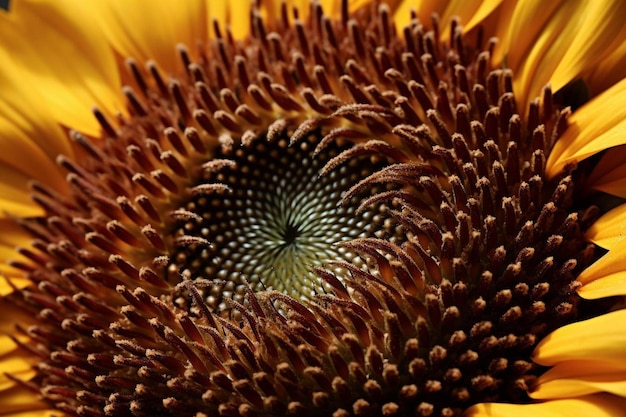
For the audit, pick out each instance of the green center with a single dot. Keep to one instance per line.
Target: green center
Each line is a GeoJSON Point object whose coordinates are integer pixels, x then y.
{"type": "Point", "coordinates": [279, 219]}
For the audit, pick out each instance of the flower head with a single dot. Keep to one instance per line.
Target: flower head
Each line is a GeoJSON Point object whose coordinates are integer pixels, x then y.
{"type": "Point", "coordinates": [321, 208]}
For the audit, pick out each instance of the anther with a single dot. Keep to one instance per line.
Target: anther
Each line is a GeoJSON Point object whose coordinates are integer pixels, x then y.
{"type": "Point", "coordinates": [101, 242]}
{"type": "Point", "coordinates": [172, 136]}
{"type": "Point", "coordinates": [208, 98]}
{"type": "Point", "coordinates": [193, 137]}
{"type": "Point", "coordinates": [546, 103]}
{"type": "Point", "coordinates": [144, 202]}
{"type": "Point", "coordinates": [116, 228]}
{"type": "Point", "coordinates": [165, 181]}
{"type": "Point", "coordinates": [131, 64]}
{"type": "Point", "coordinates": [248, 114]}
{"type": "Point", "coordinates": [136, 105]}
{"type": "Point", "coordinates": [147, 185]}
{"type": "Point", "coordinates": [183, 54]}
{"type": "Point", "coordinates": [181, 101]}
{"type": "Point", "coordinates": [106, 126]}
{"type": "Point", "coordinates": [204, 120]}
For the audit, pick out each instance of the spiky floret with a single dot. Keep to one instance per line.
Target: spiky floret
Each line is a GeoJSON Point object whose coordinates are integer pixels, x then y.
{"type": "Point", "coordinates": [474, 262]}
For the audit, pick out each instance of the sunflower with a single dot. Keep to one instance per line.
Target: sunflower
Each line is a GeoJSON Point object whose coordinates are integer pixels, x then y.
{"type": "Point", "coordinates": [312, 208]}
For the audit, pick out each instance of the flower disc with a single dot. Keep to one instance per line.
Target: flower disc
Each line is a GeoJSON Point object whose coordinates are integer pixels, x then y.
{"type": "Point", "coordinates": [328, 218]}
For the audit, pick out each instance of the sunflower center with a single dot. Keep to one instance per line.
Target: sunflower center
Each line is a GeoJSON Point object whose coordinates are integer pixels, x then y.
{"type": "Point", "coordinates": [276, 220]}
{"type": "Point", "coordinates": [372, 204]}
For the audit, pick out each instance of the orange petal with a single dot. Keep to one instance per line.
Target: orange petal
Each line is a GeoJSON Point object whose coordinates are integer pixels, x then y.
{"type": "Point", "coordinates": [56, 55]}
{"type": "Point", "coordinates": [598, 125]}
{"type": "Point", "coordinates": [598, 405]}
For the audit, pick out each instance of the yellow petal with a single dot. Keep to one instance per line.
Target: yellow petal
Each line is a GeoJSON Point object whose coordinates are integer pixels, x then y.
{"type": "Point", "coordinates": [238, 21]}
{"type": "Point", "coordinates": [18, 167]}
{"type": "Point", "coordinates": [231, 13]}
{"type": "Point", "coordinates": [609, 174]}
{"type": "Point", "coordinates": [607, 276]}
{"type": "Point", "coordinates": [271, 11]}
{"type": "Point", "coordinates": [606, 286]}
{"type": "Point", "coordinates": [609, 229]}
{"type": "Point", "coordinates": [54, 53]}
{"type": "Point", "coordinates": [601, 30]}
{"type": "Point", "coordinates": [12, 236]}
{"type": "Point", "coordinates": [597, 126]}
{"type": "Point", "coordinates": [16, 315]}
{"type": "Point", "coordinates": [402, 14]}
{"type": "Point", "coordinates": [533, 28]}
{"type": "Point", "coordinates": [19, 401]}
{"type": "Point", "coordinates": [13, 358]}
{"type": "Point", "coordinates": [9, 339]}
{"type": "Point", "coordinates": [608, 71]}
{"type": "Point", "coordinates": [576, 378]}
{"type": "Point", "coordinates": [10, 278]}
{"type": "Point", "coordinates": [30, 138]}
{"type": "Point", "coordinates": [14, 194]}
{"type": "Point", "coordinates": [598, 405]}
{"type": "Point", "coordinates": [7, 345]}
{"type": "Point", "coordinates": [17, 203]}
{"type": "Point", "coordinates": [470, 12]}
{"type": "Point", "coordinates": [35, 413]}
{"type": "Point", "coordinates": [601, 338]}
{"type": "Point", "coordinates": [6, 288]}
{"type": "Point", "coordinates": [16, 365]}
{"type": "Point", "coordinates": [558, 42]}
{"type": "Point", "coordinates": [523, 29]}
{"type": "Point", "coordinates": [145, 29]}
